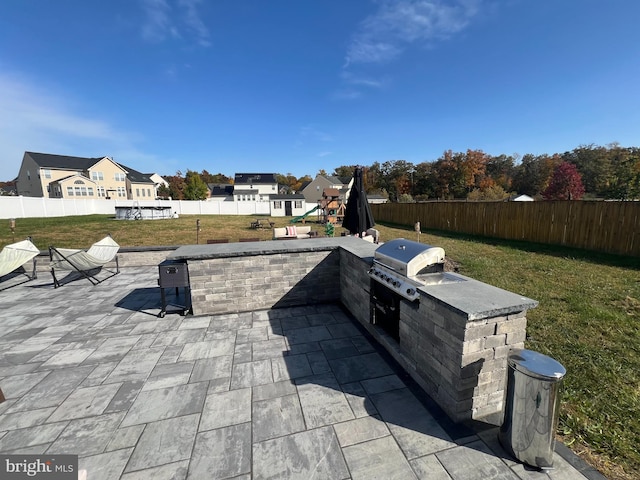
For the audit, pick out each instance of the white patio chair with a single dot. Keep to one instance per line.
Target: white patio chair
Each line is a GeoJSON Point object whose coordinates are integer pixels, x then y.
{"type": "Point", "coordinates": [88, 262]}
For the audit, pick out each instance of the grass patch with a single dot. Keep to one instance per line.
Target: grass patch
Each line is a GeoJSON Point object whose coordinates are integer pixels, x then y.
{"type": "Point", "coordinates": [82, 231]}
{"type": "Point", "coordinates": [588, 318]}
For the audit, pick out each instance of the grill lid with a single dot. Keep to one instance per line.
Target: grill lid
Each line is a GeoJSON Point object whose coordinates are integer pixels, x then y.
{"type": "Point", "coordinates": [409, 258]}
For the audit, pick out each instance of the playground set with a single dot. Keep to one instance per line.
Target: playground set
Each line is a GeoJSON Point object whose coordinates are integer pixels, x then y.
{"type": "Point", "coordinates": [330, 209]}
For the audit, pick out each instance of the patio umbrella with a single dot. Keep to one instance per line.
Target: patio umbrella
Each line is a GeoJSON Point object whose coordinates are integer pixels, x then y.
{"type": "Point", "coordinates": [357, 216]}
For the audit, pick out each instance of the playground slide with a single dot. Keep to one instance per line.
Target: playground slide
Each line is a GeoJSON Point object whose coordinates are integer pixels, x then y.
{"type": "Point", "coordinates": [297, 219]}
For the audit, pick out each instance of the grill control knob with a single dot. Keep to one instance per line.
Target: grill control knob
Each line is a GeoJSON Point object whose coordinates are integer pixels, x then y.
{"type": "Point", "coordinates": [411, 291]}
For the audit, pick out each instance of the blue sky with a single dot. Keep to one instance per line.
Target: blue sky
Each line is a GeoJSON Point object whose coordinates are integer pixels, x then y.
{"type": "Point", "coordinates": [296, 86]}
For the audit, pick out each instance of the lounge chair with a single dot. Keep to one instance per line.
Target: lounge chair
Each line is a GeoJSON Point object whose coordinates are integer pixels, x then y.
{"type": "Point", "coordinates": [15, 255]}
{"type": "Point", "coordinates": [86, 263]}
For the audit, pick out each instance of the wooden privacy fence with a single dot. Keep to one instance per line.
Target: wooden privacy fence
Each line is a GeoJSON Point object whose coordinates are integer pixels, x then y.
{"type": "Point", "coordinates": [612, 227]}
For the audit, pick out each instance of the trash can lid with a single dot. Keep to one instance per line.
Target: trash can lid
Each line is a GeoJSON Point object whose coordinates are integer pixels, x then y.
{"type": "Point", "coordinates": [536, 364]}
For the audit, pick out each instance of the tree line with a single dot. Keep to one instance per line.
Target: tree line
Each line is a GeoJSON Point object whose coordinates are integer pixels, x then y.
{"type": "Point", "coordinates": [588, 171]}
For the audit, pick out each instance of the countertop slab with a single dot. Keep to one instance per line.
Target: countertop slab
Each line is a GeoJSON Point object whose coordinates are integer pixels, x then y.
{"type": "Point", "coordinates": [476, 300]}
{"type": "Point", "coordinates": [246, 249]}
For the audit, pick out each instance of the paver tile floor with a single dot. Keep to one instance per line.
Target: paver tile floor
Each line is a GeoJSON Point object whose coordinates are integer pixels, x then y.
{"type": "Point", "coordinates": [278, 394]}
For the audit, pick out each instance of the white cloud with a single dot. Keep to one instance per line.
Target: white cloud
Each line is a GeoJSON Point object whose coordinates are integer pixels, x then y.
{"type": "Point", "coordinates": [194, 23]}
{"type": "Point", "coordinates": [178, 20]}
{"type": "Point", "coordinates": [359, 80]}
{"type": "Point", "coordinates": [33, 118]}
{"type": "Point", "coordinates": [398, 23]}
{"type": "Point", "coordinates": [324, 154]}
{"type": "Point", "coordinates": [158, 24]}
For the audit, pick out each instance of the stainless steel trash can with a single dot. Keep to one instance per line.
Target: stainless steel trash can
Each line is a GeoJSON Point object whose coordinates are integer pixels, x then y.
{"type": "Point", "coordinates": [531, 409]}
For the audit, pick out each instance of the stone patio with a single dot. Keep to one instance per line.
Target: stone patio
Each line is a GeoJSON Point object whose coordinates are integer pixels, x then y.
{"type": "Point", "coordinates": [299, 392]}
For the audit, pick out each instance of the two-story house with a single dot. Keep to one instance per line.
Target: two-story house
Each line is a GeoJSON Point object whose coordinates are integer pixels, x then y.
{"type": "Point", "coordinates": [255, 187]}
{"type": "Point", "coordinates": [61, 176]}
{"type": "Point", "coordinates": [312, 191]}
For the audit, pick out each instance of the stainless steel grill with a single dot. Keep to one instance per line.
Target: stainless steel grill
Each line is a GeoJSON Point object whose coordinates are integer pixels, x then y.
{"type": "Point", "coordinates": [402, 266]}
{"type": "Point", "coordinates": [399, 268]}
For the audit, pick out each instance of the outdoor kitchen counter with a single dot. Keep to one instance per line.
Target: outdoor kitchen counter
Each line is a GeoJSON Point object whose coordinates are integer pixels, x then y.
{"type": "Point", "coordinates": [453, 341]}
{"type": "Point", "coordinates": [470, 298]}
{"type": "Point", "coordinates": [247, 249]}
{"type": "Point", "coordinates": [244, 276]}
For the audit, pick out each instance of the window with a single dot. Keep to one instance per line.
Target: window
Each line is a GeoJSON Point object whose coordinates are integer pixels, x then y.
{"type": "Point", "coordinates": [273, 187]}
{"type": "Point", "coordinates": [298, 204]}
{"type": "Point", "coordinates": [137, 192]}
{"type": "Point", "coordinates": [101, 192]}
{"type": "Point", "coordinates": [78, 191]}
{"type": "Point", "coordinates": [148, 192]}
{"type": "Point", "coordinates": [122, 192]}
{"type": "Point", "coordinates": [46, 173]}
{"type": "Point", "coordinates": [277, 204]}
{"type": "Point", "coordinates": [119, 177]}
{"type": "Point", "coordinates": [70, 191]}
{"type": "Point", "coordinates": [28, 175]}
{"type": "Point", "coordinates": [83, 191]}
{"type": "Point", "coordinates": [97, 176]}
{"type": "Point", "coordinates": [90, 190]}
{"type": "Point", "coordinates": [144, 193]}
{"type": "Point", "coordinates": [78, 182]}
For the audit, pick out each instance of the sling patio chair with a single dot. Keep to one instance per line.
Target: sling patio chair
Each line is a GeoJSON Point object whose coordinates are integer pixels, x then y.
{"type": "Point", "coordinates": [87, 263]}
{"type": "Point", "coordinates": [15, 255]}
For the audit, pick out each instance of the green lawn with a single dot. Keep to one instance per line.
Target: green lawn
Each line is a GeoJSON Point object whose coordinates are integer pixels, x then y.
{"type": "Point", "coordinates": [588, 316]}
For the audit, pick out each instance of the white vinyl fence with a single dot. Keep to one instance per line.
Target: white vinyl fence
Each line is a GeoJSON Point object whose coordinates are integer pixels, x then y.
{"type": "Point", "coordinates": [25, 207]}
